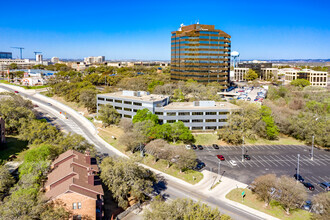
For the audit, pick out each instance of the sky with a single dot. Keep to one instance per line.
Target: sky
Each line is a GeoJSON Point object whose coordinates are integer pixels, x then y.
{"type": "Point", "coordinates": [141, 30]}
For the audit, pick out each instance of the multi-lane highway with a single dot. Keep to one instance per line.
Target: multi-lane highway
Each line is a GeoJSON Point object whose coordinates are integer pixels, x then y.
{"type": "Point", "coordinates": [172, 189]}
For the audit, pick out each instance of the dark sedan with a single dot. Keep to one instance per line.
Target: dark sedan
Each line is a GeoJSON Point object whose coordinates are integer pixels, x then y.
{"type": "Point", "coordinates": [309, 186]}
{"type": "Point", "coordinates": [215, 146]}
{"type": "Point", "coordinates": [246, 157]}
{"type": "Point", "coordinates": [200, 147]}
{"type": "Point", "coordinates": [299, 178]}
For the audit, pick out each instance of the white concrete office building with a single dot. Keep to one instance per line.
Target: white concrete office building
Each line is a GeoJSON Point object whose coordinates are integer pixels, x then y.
{"type": "Point", "coordinates": [198, 115]}
{"type": "Point", "coordinates": [316, 78]}
{"type": "Point", "coordinates": [239, 73]}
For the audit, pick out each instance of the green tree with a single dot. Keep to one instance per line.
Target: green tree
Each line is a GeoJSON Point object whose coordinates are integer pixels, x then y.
{"type": "Point", "coordinates": [178, 96]}
{"type": "Point", "coordinates": [13, 66]}
{"type": "Point", "coordinates": [251, 75]}
{"type": "Point", "coordinates": [144, 115]}
{"type": "Point", "coordinates": [271, 128]}
{"type": "Point", "coordinates": [182, 209]}
{"type": "Point", "coordinates": [125, 179]}
{"type": "Point", "coordinates": [181, 132]}
{"type": "Point", "coordinates": [300, 82]}
{"type": "Point", "coordinates": [6, 181]}
{"type": "Point", "coordinates": [184, 159]}
{"type": "Point", "coordinates": [109, 115]}
{"type": "Point", "coordinates": [321, 206]}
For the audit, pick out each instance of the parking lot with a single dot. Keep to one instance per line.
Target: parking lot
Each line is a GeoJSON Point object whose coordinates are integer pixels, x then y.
{"type": "Point", "coordinates": [265, 159]}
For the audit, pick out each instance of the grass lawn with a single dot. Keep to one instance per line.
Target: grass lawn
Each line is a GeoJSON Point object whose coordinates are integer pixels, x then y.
{"type": "Point", "coordinates": [189, 176]}
{"type": "Point", "coordinates": [207, 139]}
{"type": "Point", "coordinates": [13, 147]}
{"type": "Point", "coordinates": [273, 209]}
{"type": "Point", "coordinates": [76, 106]}
{"type": "Point", "coordinates": [283, 140]}
{"type": "Point", "coordinates": [35, 87]}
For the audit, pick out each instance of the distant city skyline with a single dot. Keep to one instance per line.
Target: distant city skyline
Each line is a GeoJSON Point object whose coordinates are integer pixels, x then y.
{"type": "Point", "coordinates": [142, 30]}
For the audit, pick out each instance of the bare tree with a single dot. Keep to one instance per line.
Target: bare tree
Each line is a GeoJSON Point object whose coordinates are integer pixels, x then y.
{"type": "Point", "coordinates": [290, 193]}
{"type": "Point", "coordinates": [126, 124]}
{"type": "Point", "coordinates": [264, 187]}
{"type": "Point", "coordinates": [321, 206]}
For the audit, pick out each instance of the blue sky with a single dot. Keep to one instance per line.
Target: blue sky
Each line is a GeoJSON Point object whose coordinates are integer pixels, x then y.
{"type": "Point", "coordinates": [142, 29]}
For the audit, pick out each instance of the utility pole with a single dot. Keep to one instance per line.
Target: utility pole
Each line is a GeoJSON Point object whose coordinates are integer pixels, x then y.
{"type": "Point", "coordinates": [312, 156]}
{"type": "Point", "coordinates": [219, 168]}
{"type": "Point", "coordinates": [243, 150]}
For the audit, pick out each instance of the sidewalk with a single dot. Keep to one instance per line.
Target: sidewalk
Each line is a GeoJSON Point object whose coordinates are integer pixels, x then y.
{"type": "Point", "coordinates": [219, 192]}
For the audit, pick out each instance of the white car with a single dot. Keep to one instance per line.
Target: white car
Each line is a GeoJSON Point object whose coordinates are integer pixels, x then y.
{"type": "Point", "coordinates": [233, 162]}
{"type": "Point", "coordinates": [188, 147]}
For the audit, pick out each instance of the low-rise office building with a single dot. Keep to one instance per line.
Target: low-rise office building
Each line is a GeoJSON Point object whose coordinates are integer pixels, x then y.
{"type": "Point", "coordinates": [316, 78]}
{"type": "Point", "coordinates": [92, 60]}
{"type": "Point", "coordinates": [239, 73]}
{"type": "Point", "coordinates": [73, 182]}
{"type": "Point", "coordinates": [21, 63]}
{"type": "Point", "coordinates": [198, 115]}
{"type": "Point", "coordinates": [2, 131]}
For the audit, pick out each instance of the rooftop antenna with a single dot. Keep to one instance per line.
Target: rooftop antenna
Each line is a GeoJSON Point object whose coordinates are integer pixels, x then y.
{"type": "Point", "coordinates": [20, 49]}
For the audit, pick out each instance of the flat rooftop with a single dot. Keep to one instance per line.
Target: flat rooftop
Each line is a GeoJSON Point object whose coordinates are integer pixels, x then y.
{"type": "Point", "coordinates": [191, 106]}
{"type": "Point", "coordinates": [143, 96]}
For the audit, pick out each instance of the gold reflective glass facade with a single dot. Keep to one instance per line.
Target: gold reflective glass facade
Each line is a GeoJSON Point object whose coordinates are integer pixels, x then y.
{"type": "Point", "coordinates": [202, 53]}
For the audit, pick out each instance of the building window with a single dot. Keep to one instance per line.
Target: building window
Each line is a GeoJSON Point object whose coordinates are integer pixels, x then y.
{"type": "Point", "coordinates": [74, 205]}
{"type": "Point", "coordinates": [210, 120]}
{"type": "Point", "coordinates": [197, 120]}
{"type": "Point", "coordinates": [127, 116]}
{"type": "Point", "coordinates": [185, 121]}
{"type": "Point", "coordinates": [127, 109]}
{"type": "Point", "coordinates": [127, 103]}
{"type": "Point", "coordinates": [197, 113]}
{"type": "Point", "coordinates": [171, 121]}
{"type": "Point", "coordinates": [118, 101]}
{"type": "Point", "coordinates": [171, 113]}
{"type": "Point", "coordinates": [101, 99]}
{"type": "Point", "coordinates": [184, 113]}
{"type": "Point", "coordinates": [211, 127]}
{"type": "Point", "coordinates": [135, 110]}
{"type": "Point", "coordinates": [79, 205]}
{"type": "Point", "coordinates": [211, 113]}
{"type": "Point", "coordinates": [196, 128]}
{"type": "Point", "coordinates": [223, 113]}
{"type": "Point", "coordinates": [137, 103]}
{"type": "Point", "coordinates": [119, 108]}
{"type": "Point", "coordinates": [158, 113]}
{"type": "Point", "coordinates": [109, 100]}
{"type": "Point", "coordinates": [222, 120]}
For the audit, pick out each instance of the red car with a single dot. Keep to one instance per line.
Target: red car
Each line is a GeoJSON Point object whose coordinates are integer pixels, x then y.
{"type": "Point", "coordinates": [220, 157]}
{"type": "Point", "coordinates": [16, 92]}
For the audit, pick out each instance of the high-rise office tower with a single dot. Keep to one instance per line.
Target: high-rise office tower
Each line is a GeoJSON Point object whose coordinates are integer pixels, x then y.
{"type": "Point", "coordinates": [200, 52]}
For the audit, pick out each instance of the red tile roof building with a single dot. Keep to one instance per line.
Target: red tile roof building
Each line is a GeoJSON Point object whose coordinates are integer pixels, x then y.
{"type": "Point", "coordinates": [73, 182]}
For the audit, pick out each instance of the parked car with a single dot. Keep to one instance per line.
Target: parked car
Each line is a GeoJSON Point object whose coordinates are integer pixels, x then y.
{"type": "Point", "coordinates": [188, 147]}
{"type": "Point", "coordinates": [200, 147]}
{"type": "Point", "coordinates": [249, 99]}
{"type": "Point", "coordinates": [246, 157]}
{"type": "Point", "coordinates": [255, 100]}
{"type": "Point", "coordinates": [233, 162]}
{"type": "Point", "coordinates": [325, 186]}
{"type": "Point", "coordinates": [50, 104]}
{"type": "Point", "coordinates": [215, 146]}
{"type": "Point", "coordinates": [299, 178]}
{"type": "Point", "coordinates": [308, 205]}
{"type": "Point", "coordinates": [16, 92]}
{"type": "Point", "coordinates": [309, 186]}
{"type": "Point", "coordinates": [200, 165]}
{"type": "Point", "coordinates": [36, 106]}
{"type": "Point", "coordinates": [193, 147]}
{"type": "Point", "coordinates": [220, 157]}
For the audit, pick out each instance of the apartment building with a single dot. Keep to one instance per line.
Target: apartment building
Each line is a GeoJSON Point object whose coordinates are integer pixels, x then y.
{"type": "Point", "coordinates": [202, 53]}
{"type": "Point", "coordinates": [54, 60]}
{"type": "Point", "coordinates": [2, 131]}
{"type": "Point", "coordinates": [316, 78]}
{"type": "Point", "coordinates": [198, 115]}
{"type": "Point", "coordinates": [73, 182]}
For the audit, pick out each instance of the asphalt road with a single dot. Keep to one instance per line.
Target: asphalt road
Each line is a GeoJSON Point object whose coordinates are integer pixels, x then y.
{"type": "Point", "coordinates": [172, 190]}
{"type": "Point", "coordinates": [277, 159]}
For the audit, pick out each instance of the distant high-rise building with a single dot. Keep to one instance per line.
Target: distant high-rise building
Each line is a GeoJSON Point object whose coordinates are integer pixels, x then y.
{"type": "Point", "coordinates": [202, 53]}
{"type": "Point", "coordinates": [6, 55]}
{"type": "Point", "coordinates": [55, 60]}
{"type": "Point", "coordinates": [39, 58]}
{"type": "Point", "coordinates": [90, 60]}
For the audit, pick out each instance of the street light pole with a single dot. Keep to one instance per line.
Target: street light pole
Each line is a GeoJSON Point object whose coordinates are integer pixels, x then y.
{"type": "Point", "coordinates": [243, 150]}
{"type": "Point", "coordinates": [312, 156]}
{"type": "Point", "coordinates": [298, 167]}
{"type": "Point", "coordinates": [219, 168]}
